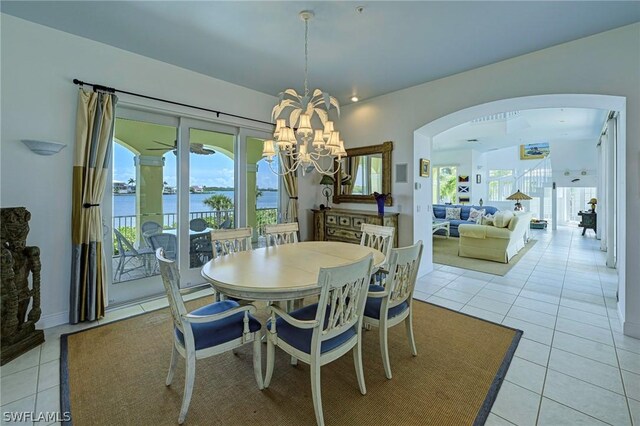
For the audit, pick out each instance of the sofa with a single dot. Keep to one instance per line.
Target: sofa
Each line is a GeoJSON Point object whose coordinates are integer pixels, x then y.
{"type": "Point", "coordinates": [439, 211]}
{"type": "Point", "coordinates": [499, 242]}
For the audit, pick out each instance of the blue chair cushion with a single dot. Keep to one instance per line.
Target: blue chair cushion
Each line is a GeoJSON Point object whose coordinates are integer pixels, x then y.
{"type": "Point", "coordinates": [214, 333]}
{"type": "Point", "coordinates": [372, 308]}
{"type": "Point", "coordinates": [301, 338]}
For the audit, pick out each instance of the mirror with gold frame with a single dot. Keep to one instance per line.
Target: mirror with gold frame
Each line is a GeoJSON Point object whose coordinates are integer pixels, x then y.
{"type": "Point", "coordinates": [362, 172]}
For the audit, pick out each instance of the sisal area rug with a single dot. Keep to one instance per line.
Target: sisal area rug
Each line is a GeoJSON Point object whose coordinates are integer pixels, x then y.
{"type": "Point", "coordinates": [445, 252]}
{"type": "Point", "coordinates": [114, 375]}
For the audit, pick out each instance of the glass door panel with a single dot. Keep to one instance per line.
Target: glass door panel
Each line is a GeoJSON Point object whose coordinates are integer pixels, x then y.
{"type": "Point", "coordinates": [142, 207]}
{"type": "Point", "coordinates": [211, 190]}
{"type": "Point", "coordinates": [263, 190]}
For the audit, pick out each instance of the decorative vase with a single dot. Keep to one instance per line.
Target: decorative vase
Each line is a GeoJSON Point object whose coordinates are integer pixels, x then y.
{"type": "Point", "coordinates": [380, 201]}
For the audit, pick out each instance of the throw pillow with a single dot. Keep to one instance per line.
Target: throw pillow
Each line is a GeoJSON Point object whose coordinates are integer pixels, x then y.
{"type": "Point", "coordinates": [473, 214]}
{"type": "Point", "coordinates": [453, 213]}
{"type": "Point", "coordinates": [487, 220]}
{"type": "Point", "coordinates": [502, 219]}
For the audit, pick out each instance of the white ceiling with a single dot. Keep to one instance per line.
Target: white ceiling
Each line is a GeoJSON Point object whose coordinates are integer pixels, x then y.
{"type": "Point", "coordinates": [390, 46]}
{"type": "Point", "coordinates": [523, 127]}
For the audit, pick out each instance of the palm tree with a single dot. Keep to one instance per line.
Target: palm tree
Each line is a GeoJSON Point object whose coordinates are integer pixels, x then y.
{"type": "Point", "coordinates": [219, 202]}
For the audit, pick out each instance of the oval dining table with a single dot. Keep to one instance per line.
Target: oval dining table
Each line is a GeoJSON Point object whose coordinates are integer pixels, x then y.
{"type": "Point", "coordinates": [284, 272]}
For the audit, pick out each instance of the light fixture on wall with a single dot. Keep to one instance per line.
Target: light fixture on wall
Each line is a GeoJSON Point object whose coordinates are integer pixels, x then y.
{"type": "Point", "coordinates": [43, 147]}
{"type": "Point", "coordinates": [517, 197]}
{"type": "Point", "coordinates": [295, 137]}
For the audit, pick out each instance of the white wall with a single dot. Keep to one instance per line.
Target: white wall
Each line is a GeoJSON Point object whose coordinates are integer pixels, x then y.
{"type": "Point", "coordinates": [575, 157]}
{"type": "Point", "coordinates": [605, 64]}
{"type": "Point", "coordinates": [39, 102]}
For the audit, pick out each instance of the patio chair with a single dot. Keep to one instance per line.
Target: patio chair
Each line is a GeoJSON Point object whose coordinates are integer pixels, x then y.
{"type": "Point", "coordinates": [150, 228]}
{"type": "Point", "coordinates": [323, 332]}
{"type": "Point", "coordinates": [168, 242]}
{"type": "Point", "coordinates": [198, 224]}
{"type": "Point", "coordinates": [128, 256]}
{"type": "Point", "coordinates": [211, 330]}
{"type": "Point", "coordinates": [392, 303]}
{"type": "Point", "coordinates": [282, 233]}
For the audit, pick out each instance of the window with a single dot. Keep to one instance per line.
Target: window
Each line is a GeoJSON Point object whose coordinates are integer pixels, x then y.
{"type": "Point", "coordinates": [500, 184]}
{"type": "Point", "coordinates": [445, 180]}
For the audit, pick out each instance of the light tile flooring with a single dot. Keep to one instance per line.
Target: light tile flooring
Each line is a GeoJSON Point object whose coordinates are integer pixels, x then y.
{"type": "Point", "coordinates": [573, 365]}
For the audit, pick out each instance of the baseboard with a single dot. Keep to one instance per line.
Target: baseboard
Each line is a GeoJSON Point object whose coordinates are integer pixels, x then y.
{"type": "Point", "coordinates": [51, 320]}
{"type": "Point", "coordinates": [631, 329]}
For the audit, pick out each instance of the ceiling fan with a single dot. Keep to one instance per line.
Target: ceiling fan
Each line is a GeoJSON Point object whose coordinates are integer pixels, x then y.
{"type": "Point", "coordinates": [196, 148]}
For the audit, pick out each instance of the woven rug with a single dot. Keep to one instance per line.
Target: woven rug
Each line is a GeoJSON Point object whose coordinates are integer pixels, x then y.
{"type": "Point", "coordinates": [445, 252]}
{"type": "Point", "coordinates": [114, 375]}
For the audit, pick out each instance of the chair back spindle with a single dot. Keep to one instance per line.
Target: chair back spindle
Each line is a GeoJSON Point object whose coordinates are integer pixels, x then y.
{"type": "Point", "coordinates": [282, 233]}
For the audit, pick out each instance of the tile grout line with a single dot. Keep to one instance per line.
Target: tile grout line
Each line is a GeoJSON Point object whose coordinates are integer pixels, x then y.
{"type": "Point", "coordinates": [553, 335]}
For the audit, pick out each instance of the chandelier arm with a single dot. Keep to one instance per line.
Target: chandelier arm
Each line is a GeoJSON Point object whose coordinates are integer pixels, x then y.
{"type": "Point", "coordinates": [329, 171]}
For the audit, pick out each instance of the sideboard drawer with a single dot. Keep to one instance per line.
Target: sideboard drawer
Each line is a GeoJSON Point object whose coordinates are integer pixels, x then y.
{"type": "Point", "coordinates": [358, 221]}
{"type": "Point", "coordinates": [344, 225]}
{"type": "Point", "coordinates": [344, 221]}
{"type": "Point", "coordinates": [344, 235]}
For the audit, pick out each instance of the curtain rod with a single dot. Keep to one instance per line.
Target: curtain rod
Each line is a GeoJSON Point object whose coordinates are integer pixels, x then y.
{"type": "Point", "coordinates": [97, 87]}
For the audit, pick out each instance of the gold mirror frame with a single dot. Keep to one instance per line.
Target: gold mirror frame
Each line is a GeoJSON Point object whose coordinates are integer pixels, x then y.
{"type": "Point", "coordinates": [385, 149]}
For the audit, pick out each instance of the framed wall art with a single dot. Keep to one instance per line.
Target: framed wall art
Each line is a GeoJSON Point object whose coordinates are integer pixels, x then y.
{"type": "Point", "coordinates": [534, 151]}
{"type": "Point", "coordinates": [463, 179]}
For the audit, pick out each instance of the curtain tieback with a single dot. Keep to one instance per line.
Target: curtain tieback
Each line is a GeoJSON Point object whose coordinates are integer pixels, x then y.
{"type": "Point", "coordinates": [88, 205]}
{"type": "Point", "coordinates": [293, 198]}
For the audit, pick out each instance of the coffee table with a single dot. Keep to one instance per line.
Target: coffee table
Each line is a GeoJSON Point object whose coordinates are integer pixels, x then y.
{"type": "Point", "coordinates": [439, 224]}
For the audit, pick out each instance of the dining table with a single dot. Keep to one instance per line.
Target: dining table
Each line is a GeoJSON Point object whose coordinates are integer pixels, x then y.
{"type": "Point", "coordinates": [281, 272]}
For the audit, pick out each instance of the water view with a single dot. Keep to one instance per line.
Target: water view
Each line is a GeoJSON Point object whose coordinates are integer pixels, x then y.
{"type": "Point", "coordinates": [125, 204]}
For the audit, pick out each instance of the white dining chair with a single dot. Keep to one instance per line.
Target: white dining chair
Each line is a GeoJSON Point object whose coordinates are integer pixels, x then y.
{"type": "Point", "coordinates": [392, 303]}
{"type": "Point", "coordinates": [226, 241]}
{"type": "Point", "coordinates": [281, 233]}
{"type": "Point", "coordinates": [323, 332]}
{"type": "Point", "coordinates": [379, 238]}
{"type": "Point", "coordinates": [211, 330]}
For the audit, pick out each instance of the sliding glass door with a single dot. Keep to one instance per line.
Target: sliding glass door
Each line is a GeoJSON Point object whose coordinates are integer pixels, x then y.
{"type": "Point", "coordinates": [175, 179]}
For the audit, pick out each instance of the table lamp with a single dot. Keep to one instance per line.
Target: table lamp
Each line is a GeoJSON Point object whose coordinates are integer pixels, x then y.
{"type": "Point", "coordinates": [327, 181]}
{"type": "Point", "coordinates": [593, 203]}
{"type": "Point", "coordinates": [518, 196]}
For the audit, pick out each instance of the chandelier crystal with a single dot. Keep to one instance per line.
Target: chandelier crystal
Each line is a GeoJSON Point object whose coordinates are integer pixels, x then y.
{"type": "Point", "coordinates": [295, 138]}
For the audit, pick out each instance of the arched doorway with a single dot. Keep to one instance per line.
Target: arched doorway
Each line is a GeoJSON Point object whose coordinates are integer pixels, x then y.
{"type": "Point", "coordinates": [423, 138]}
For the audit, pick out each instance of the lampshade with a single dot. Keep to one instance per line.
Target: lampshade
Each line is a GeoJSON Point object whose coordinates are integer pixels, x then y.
{"type": "Point", "coordinates": [304, 128]}
{"type": "Point", "coordinates": [334, 140]}
{"type": "Point", "coordinates": [318, 140]}
{"type": "Point", "coordinates": [268, 149]}
{"type": "Point", "coordinates": [280, 124]}
{"type": "Point", "coordinates": [328, 129]}
{"type": "Point", "coordinates": [593, 201]}
{"type": "Point", "coordinates": [341, 152]}
{"type": "Point", "coordinates": [518, 196]}
{"type": "Point", "coordinates": [287, 138]}
{"type": "Point", "coordinates": [326, 180]}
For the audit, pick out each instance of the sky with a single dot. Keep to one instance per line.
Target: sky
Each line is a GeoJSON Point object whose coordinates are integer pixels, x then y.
{"type": "Point", "coordinates": [206, 170]}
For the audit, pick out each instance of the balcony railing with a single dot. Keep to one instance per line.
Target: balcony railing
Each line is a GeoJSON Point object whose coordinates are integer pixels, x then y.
{"type": "Point", "coordinates": [214, 218]}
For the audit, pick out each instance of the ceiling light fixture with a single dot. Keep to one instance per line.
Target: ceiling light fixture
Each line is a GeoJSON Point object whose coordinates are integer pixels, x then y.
{"type": "Point", "coordinates": [295, 137]}
{"type": "Point", "coordinates": [354, 99]}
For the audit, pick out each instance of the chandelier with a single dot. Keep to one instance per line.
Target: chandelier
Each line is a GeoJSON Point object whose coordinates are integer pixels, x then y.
{"type": "Point", "coordinates": [295, 138]}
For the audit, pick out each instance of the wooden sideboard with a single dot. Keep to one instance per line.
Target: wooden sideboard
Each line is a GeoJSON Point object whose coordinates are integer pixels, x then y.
{"type": "Point", "coordinates": [344, 225]}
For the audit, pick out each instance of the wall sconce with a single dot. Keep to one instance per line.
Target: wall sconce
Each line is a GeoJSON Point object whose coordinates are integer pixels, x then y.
{"type": "Point", "coordinates": [43, 147]}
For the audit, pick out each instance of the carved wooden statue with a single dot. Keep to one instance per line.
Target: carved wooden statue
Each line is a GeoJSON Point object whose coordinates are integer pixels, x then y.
{"type": "Point", "coordinates": [17, 262]}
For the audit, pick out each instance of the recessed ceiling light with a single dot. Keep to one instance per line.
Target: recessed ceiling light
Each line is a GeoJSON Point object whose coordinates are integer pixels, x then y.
{"type": "Point", "coordinates": [354, 99]}
{"type": "Point", "coordinates": [472, 140]}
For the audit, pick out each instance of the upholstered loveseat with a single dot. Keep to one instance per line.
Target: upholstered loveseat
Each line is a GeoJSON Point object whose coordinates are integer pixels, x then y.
{"type": "Point", "coordinates": [439, 211]}
{"type": "Point", "coordinates": [496, 243]}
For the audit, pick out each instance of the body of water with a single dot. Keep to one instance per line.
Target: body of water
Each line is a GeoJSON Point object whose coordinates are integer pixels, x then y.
{"type": "Point", "coordinates": [125, 204]}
